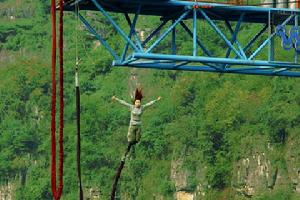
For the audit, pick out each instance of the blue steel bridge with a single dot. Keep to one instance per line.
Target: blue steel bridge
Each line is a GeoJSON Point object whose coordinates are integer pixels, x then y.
{"type": "Point", "coordinates": [278, 27]}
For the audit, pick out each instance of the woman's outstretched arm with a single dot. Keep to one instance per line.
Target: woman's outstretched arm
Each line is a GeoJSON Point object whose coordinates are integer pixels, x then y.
{"type": "Point", "coordinates": [151, 103]}
{"type": "Point", "coordinates": [121, 101]}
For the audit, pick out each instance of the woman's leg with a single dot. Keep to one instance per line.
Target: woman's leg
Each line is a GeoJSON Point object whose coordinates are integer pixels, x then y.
{"type": "Point", "coordinates": [131, 134]}
{"type": "Point", "coordinates": [138, 134]}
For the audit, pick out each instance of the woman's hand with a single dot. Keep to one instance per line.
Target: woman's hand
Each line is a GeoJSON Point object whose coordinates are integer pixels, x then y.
{"type": "Point", "coordinates": [158, 98]}
{"type": "Point", "coordinates": [113, 97]}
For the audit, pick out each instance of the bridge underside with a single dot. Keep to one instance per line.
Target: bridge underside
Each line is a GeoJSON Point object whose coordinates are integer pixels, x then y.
{"type": "Point", "coordinates": [163, 8]}
{"type": "Point", "coordinates": [237, 57]}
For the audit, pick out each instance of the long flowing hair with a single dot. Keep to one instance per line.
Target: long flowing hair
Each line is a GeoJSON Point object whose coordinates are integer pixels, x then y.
{"type": "Point", "coordinates": [138, 94]}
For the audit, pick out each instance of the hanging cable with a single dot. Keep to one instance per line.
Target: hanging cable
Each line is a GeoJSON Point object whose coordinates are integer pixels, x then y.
{"type": "Point", "coordinates": [118, 173]}
{"type": "Point", "coordinates": [77, 90]}
{"type": "Point", "coordinates": [57, 192]}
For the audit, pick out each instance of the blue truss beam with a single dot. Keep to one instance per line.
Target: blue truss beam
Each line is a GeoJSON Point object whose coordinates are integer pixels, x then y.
{"type": "Point", "coordinates": [221, 34]}
{"type": "Point", "coordinates": [115, 25]}
{"type": "Point", "coordinates": [296, 24]}
{"type": "Point", "coordinates": [250, 71]}
{"type": "Point", "coordinates": [174, 47]}
{"type": "Point", "coordinates": [94, 32]}
{"type": "Point", "coordinates": [137, 39]}
{"type": "Point", "coordinates": [154, 32]}
{"type": "Point", "coordinates": [269, 39]}
{"type": "Point", "coordinates": [195, 32]}
{"type": "Point", "coordinates": [167, 31]}
{"type": "Point", "coordinates": [234, 36]}
{"type": "Point", "coordinates": [132, 30]}
{"type": "Point", "coordinates": [254, 39]}
{"type": "Point", "coordinates": [243, 62]}
{"type": "Point", "coordinates": [202, 59]}
{"type": "Point", "coordinates": [201, 45]}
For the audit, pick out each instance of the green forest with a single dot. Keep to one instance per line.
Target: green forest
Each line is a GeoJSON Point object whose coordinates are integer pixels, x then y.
{"type": "Point", "coordinates": [213, 136]}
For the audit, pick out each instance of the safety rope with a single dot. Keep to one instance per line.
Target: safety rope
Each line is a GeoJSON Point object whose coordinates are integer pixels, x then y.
{"type": "Point", "coordinates": [78, 134]}
{"type": "Point", "coordinates": [77, 89]}
{"type": "Point", "coordinates": [118, 172]}
{"type": "Point", "coordinates": [57, 192]}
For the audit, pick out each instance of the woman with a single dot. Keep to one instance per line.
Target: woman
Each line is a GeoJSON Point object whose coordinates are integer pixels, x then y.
{"type": "Point", "coordinates": [136, 109]}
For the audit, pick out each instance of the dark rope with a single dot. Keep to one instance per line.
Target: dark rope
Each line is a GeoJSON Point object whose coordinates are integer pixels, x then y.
{"type": "Point", "coordinates": [77, 91]}
{"type": "Point", "coordinates": [78, 138]}
{"type": "Point", "coordinates": [118, 173]}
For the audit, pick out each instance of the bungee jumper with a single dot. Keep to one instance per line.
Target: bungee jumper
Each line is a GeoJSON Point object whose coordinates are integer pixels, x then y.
{"type": "Point", "coordinates": [136, 109]}
{"type": "Point", "coordinates": [134, 130]}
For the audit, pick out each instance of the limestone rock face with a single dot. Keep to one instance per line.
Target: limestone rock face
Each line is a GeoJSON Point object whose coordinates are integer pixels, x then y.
{"type": "Point", "coordinates": [178, 175]}
{"type": "Point", "coordinates": [184, 196]}
{"type": "Point", "coordinates": [93, 193]}
{"type": "Point", "coordinates": [257, 173]}
{"type": "Point", "coordinates": [254, 174]}
{"type": "Point", "coordinates": [6, 192]}
{"type": "Point", "coordinates": [292, 158]}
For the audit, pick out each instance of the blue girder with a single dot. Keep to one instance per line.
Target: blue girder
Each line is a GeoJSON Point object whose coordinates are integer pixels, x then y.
{"type": "Point", "coordinates": [140, 54]}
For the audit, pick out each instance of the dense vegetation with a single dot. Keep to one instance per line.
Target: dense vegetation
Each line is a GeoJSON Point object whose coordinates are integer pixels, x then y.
{"type": "Point", "coordinates": [210, 121]}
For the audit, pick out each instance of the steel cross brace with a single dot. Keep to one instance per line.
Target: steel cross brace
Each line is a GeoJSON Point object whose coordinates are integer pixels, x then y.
{"type": "Point", "coordinates": [132, 31]}
{"type": "Point", "coordinates": [142, 56]}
